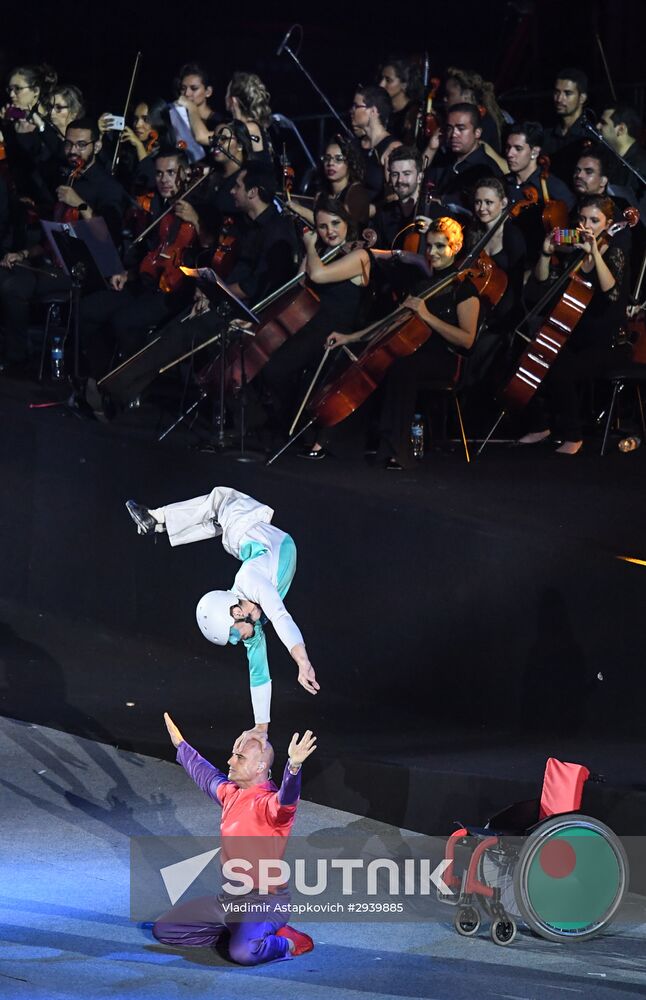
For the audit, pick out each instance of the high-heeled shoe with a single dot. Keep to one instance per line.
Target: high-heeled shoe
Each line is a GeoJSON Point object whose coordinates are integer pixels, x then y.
{"type": "Point", "coordinates": [313, 454]}
{"type": "Point", "coordinates": [534, 437]}
{"type": "Point", "coordinates": [569, 448]}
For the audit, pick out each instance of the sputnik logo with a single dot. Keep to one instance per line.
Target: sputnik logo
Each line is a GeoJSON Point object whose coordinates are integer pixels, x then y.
{"type": "Point", "coordinates": [180, 876]}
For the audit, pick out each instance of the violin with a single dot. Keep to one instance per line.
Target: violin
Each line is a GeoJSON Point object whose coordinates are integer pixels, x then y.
{"type": "Point", "coordinates": [224, 256]}
{"type": "Point", "coordinates": [151, 141]}
{"type": "Point", "coordinates": [415, 241]}
{"type": "Point", "coordinates": [544, 348]}
{"type": "Point", "coordinates": [162, 265]}
{"type": "Point", "coordinates": [65, 213]}
{"type": "Point", "coordinates": [399, 335]}
{"type": "Point", "coordinates": [555, 212]}
{"type": "Point", "coordinates": [289, 175]}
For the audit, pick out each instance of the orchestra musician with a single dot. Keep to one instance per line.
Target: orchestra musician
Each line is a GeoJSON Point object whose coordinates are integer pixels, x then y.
{"type": "Point", "coordinates": [563, 141]}
{"type": "Point", "coordinates": [267, 258]}
{"type": "Point", "coordinates": [455, 170]}
{"type": "Point", "coordinates": [506, 247]}
{"type": "Point", "coordinates": [467, 87]}
{"type": "Point", "coordinates": [340, 286]}
{"type": "Point", "coordinates": [213, 202]}
{"type": "Point", "coordinates": [593, 346]}
{"type": "Point", "coordinates": [119, 318]}
{"type": "Point", "coordinates": [247, 100]}
{"type": "Point", "coordinates": [194, 90]}
{"type": "Point", "coordinates": [370, 115]}
{"type": "Point", "coordinates": [140, 142]}
{"type": "Point", "coordinates": [452, 317]}
{"type": "Point", "coordinates": [24, 122]}
{"type": "Point", "coordinates": [341, 176]}
{"type": "Point", "coordinates": [621, 126]}
{"type": "Point", "coordinates": [523, 142]}
{"type": "Point", "coordinates": [402, 81]}
{"type": "Point", "coordinates": [90, 191]}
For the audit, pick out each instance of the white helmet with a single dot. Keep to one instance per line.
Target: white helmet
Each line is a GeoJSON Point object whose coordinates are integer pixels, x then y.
{"type": "Point", "coordinates": [213, 613]}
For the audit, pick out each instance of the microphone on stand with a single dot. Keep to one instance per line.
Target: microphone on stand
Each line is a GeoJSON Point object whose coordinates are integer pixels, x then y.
{"type": "Point", "coordinates": [279, 50]}
{"type": "Point", "coordinates": [589, 122]}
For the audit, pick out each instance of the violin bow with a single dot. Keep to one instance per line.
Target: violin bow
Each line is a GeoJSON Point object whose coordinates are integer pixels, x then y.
{"type": "Point", "coordinates": [605, 66]}
{"type": "Point", "coordinates": [115, 158]}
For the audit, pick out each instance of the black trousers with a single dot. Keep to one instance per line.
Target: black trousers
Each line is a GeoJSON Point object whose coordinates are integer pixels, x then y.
{"type": "Point", "coordinates": [120, 322]}
{"type": "Point", "coordinates": [18, 288]}
{"type": "Point", "coordinates": [173, 340]}
{"type": "Point", "coordinates": [285, 372]}
{"type": "Point", "coordinates": [433, 360]}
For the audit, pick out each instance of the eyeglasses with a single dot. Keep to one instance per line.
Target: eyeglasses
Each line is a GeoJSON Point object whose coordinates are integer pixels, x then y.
{"type": "Point", "coordinates": [78, 145]}
{"type": "Point", "coordinates": [355, 107]}
{"type": "Point", "coordinates": [59, 107]}
{"type": "Point", "coordinates": [327, 158]}
{"type": "Point", "coordinates": [13, 89]}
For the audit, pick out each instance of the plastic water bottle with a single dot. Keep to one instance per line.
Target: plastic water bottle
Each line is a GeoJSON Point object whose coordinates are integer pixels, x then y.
{"type": "Point", "coordinates": [629, 443]}
{"type": "Point", "coordinates": [58, 367]}
{"type": "Point", "coordinates": [417, 436]}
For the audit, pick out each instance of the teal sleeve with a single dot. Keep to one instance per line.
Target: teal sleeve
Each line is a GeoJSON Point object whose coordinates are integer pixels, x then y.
{"type": "Point", "coordinates": [259, 679]}
{"type": "Point", "coordinates": [256, 648]}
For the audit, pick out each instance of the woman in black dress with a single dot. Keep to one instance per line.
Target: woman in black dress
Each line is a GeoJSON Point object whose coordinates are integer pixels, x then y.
{"type": "Point", "coordinates": [592, 346]}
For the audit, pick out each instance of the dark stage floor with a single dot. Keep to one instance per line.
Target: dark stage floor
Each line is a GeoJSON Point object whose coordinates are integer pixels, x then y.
{"type": "Point", "coordinates": [466, 621]}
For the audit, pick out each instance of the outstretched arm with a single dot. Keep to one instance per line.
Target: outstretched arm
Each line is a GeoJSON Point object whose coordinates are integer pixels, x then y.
{"type": "Point", "coordinates": [207, 777]}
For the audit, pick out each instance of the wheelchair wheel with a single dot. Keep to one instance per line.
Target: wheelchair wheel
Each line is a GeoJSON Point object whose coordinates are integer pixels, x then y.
{"type": "Point", "coordinates": [467, 921]}
{"type": "Point", "coordinates": [571, 878]}
{"type": "Point", "coordinates": [503, 930]}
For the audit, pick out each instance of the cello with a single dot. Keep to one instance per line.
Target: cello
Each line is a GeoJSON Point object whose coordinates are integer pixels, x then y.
{"type": "Point", "coordinates": [400, 334]}
{"type": "Point", "coordinates": [282, 314]}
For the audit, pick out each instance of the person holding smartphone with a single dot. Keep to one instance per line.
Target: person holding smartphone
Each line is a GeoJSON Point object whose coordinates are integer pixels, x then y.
{"type": "Point", "coordinates": [592, 348]}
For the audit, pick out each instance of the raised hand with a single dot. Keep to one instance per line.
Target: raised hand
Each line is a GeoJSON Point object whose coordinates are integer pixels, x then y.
{"type": "Point", "coordinates": [300, 749]}
{"type": "Point", "coordinates": [175, 736]}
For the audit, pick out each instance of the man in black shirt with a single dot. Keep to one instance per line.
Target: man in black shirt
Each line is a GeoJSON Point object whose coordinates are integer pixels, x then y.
{"type": "Point", "coordinates": [406, 173]}
{"type": "Point", "coordinates": [267, 258]}
{"type": "Point", "coordinates": [369, 115]}
{"type": "Point", "coordinates": [522, 146]}
{"type": "Point", "coordinates": [140, 298]}
{"type": "Point", "coordinates": [269, 254]}
{"type": "Point", "coordinates": [563, 141]}
{"type": "Point", "coordinates": [620, 126]}
{"type": "Point", "coordinates": [93, 192]}
{"type": "Point", "coordinates": [456, 170]}
{"type": "Point", "coordinates": [590, 175]}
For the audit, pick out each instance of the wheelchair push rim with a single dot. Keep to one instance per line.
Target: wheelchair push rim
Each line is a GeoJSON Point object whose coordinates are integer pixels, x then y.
{"type": "Point", "coordinates": [571, 877]}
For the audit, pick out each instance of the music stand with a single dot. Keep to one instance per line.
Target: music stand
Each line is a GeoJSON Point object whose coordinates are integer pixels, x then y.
{"type": "Point", "coordinates": [84, 251]}
{"type": "Point", "coordinates": [210, 282]}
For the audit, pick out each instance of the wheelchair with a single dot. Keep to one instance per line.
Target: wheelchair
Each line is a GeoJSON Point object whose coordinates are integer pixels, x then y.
{"type": "Point", "coordinates": [564, 874]}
